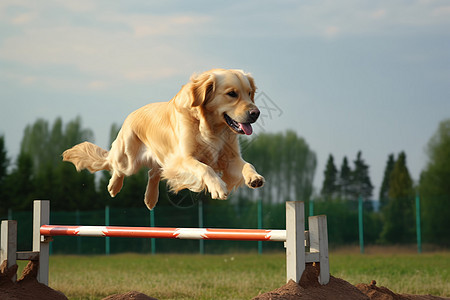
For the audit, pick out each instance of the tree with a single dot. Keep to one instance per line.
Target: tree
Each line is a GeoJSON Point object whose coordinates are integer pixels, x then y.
{"type": "Point", "coordinates": [345, 179]}
{"type": "Point", "coordinates": [330, 182]}
{"type": "Point", "coordinates": [361, 185]}
{"type": "Point", "coordinates": [384, 190]}
{"type": "Point", "coordinates": [286, 162]}
{"type": "Point", "coordinates": [399, 212]}
{"type": "Point", "coordinates": [46, 145]}
{"type": "Point", "coordinates": [4, 162]}
{"type": "Point", "coordinates": [434, 187]}
{"type": "Point", "coordinates": [40, 172]}
{"type": "Point", "coordinates": [20, 184]}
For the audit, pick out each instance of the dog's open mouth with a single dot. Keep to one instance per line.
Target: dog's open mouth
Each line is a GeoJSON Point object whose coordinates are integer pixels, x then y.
{"type": "Point", "coordinates": [241, 128]}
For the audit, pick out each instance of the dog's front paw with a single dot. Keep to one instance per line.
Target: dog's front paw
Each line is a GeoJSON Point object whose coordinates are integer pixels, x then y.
{"type": "Point", "coordinates": [218, 190]}
{"type": "Point", "coordinates": [255, 181]}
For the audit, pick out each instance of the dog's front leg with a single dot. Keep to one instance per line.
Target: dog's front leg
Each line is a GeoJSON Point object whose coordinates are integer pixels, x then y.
{"type": "Point", "coordinates": [251, 177]}
{"type": "Point", "coordinates": [216, 186]}
{"type": "Point", "coordinates": [239, 171]}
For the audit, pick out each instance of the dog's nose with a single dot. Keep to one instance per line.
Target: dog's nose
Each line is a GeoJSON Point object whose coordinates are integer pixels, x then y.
{"type": "Point", "coordinates": [254, 114]}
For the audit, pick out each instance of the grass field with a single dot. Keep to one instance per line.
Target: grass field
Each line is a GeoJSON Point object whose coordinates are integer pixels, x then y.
{"type": "Point", "coordinates": [238, 276]}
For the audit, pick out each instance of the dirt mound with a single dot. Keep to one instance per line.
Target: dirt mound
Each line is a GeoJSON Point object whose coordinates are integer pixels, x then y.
{"type": "Point", "coordinates": [382, 293]}
{"type": "Point", "coordinates": [309, 289]}
{"type": "Point", "coordinates": [129, 296]}
{"type": "Point", "coordinates": [27, 287]}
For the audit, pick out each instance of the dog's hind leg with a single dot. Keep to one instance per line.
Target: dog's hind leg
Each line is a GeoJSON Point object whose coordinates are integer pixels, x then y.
{"type": "Point", "coordinates": [123, 159]}
{"type": "Point", "coordinates": [115, 184]}
{"type": "Point", "coordinates": [152, 191]}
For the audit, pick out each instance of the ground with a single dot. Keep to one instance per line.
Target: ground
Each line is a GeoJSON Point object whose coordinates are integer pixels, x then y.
{"type": "Point", "coordinates": [27, 287]}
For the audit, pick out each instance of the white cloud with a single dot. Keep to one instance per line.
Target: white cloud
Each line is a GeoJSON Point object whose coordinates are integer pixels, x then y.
{"type": "Point", "coordinates": [98, 53]}
{"type": "Point", "coordinates": [98, 85]}
{"type": "Point", "coordinates": [442, 11]}
{"type": "Point", "coordinates": [114, 47]}
{"type": "Point", "coordinates": [23, 18]}
{"type": "Point", "coordinates": [332, 31]}
{"type": "Point", "coordinates": [79, 5]}
{"type": "Point", "coordinates": [144, 26]}
{"type": "Point", "coordinates": [378, 14]}
{"type": "Point", "coordinates": [367, 18]}
{"type": "Point", "coordinates": [107, 45]}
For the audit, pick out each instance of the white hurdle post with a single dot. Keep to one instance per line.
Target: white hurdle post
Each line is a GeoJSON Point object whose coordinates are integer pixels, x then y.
{"type": "Point", "coordinates": [295, 240]}
{"type": "Point", "coordinates": [9, 244]}
{"type": "Point", "coordinates": [318, 244]}
{"type": "Point", "coordinates": [41, 216]}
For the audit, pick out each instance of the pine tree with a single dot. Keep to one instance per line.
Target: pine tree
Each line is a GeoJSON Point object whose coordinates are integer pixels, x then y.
{"type": "Point", "coordinates": [4, 162]}
{"type": "Point", "coordinates": [401, 185]}
{"type": "Point", "coordinates": [384, 190]}
{"type": "Point", "coordinates": [330, 181]}
{"type": "Point", "coordinates": [345, 179]}
{"type": "Point", "coordinates": [399, 213]}
{"type": "Point", "coordinates": [361, 184]}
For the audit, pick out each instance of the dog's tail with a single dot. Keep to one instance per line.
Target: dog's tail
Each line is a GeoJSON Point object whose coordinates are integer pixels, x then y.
{"type": "Point", "coordinates": [87, 156]}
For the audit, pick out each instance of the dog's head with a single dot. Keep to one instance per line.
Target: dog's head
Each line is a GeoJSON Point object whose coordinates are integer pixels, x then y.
{"type": "Point", "coordinates": [226, 97]}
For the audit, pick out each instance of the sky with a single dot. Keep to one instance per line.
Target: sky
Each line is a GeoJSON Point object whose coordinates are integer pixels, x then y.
{"type": "Point", "coordinates": [347, 76]}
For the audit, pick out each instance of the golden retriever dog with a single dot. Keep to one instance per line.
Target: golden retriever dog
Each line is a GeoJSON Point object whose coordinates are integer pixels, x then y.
{"type": "Point", "coordinates": [191, 141]}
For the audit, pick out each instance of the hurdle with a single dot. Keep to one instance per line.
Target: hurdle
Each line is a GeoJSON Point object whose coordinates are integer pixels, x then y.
{"type": "Point", "coordinates": [296, 239]}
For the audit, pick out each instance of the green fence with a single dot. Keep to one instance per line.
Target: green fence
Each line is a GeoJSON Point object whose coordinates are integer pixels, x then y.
{"type": "Point", "coordinates": [349, 222]}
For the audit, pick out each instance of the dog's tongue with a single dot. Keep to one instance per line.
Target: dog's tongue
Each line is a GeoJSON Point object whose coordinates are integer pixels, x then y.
{"type": "Point", "coordinates": [246, 127]}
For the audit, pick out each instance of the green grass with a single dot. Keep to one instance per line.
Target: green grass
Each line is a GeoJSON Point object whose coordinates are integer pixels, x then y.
{"type": "Point", "coordinates": [238, 276]}
{"type": "Point", "coordinates": [167, 276]}
{"type": "Point", "coordinates": [401, 273]}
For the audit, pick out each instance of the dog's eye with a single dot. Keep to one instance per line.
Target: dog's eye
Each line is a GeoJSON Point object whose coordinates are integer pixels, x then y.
{"type": "Point", "coordinates": [232, 94]}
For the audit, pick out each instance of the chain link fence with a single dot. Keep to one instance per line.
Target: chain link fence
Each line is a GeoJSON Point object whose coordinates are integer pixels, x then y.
{"type": "Point", "coordinates": [347, 225]}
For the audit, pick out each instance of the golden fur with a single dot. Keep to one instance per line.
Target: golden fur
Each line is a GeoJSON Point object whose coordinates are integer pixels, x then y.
{"type": "Point", "coordinates": [192, 140]}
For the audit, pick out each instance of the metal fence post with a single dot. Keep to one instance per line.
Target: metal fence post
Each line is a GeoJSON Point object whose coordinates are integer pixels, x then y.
{"type": "Point", "coordinates": [311, 207]}
{"type": "Point", "coordinates": [418, 227]}
{"type": "Point", "coordinates": [200, 225]}
{"type": "Point", "coordinates": [360, 224]}
{"type": "Point", "coordinates": [152, 224]}
{"type": "Point", "coordinates": [107, 239]}
{"type": "Point", "coordinates": [78, 222]}
{"type": "Point", "coordinates": [260, 224]}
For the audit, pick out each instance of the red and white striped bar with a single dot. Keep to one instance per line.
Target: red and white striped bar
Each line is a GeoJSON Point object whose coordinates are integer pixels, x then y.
{"type": "Point", "coordinates": [162, 232]}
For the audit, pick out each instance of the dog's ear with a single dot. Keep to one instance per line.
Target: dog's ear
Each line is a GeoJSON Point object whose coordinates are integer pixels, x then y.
{"type": "Point", "coordinates": [252, 85]}
{"type": "Point", "coordinates": [202, 88]}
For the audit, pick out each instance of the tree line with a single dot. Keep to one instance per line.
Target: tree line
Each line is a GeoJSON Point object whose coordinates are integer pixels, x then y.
{"type": "Point", "coordinates": [286, 161]}
{"type": "Point", "coordinates": [395, 219]}
{"type": "Point", "coordinates": [40, 173]}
